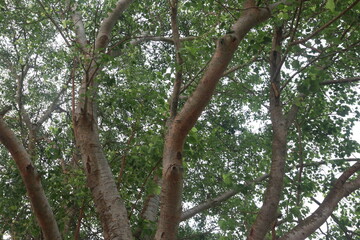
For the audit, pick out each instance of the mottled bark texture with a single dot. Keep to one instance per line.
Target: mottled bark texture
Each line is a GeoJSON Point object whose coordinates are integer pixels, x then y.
{"type": "Point", "coordinates": [32, 181]}
{"type": "Point", "coordinates": [100, 180]}
{"type": "Point", "coordinates": [180, 125]}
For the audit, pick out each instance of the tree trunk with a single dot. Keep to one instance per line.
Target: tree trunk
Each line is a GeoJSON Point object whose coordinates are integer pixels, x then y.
{"type": "Point", "coordinates": [100, 180]}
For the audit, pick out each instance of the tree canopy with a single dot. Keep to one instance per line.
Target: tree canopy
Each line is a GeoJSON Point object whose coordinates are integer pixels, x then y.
{"type": "Point", "coordinates": [179, 119]}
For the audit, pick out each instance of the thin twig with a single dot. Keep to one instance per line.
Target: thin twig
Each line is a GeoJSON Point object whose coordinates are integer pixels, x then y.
{"type": "Point", "coordinates": [253, 59]}
{"type": "Point", "coordinates": [226, 8]}
{"type": "Point", "coordinates": [325, 25]}
{"type": "Point", "coordinates": [123, 157]}
{"type": "Point", "coordinates": [343, 80]}
{"type": "Point", "coordinates": [195, 76]}
{"type": "Point", "coordinates": [316, 59]}
{"type": "Point", "coordinates": [55, 23]}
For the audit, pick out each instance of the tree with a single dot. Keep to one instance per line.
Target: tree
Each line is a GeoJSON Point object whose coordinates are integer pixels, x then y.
{"type": "Point", "coordinates": [118, 94]}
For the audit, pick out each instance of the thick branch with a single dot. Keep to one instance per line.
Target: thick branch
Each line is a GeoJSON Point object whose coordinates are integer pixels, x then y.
{"type": "Point", "coordinates": [109, 206]}
{"type": "Point", "coordinates": [108, 23]}
{"type": "Point", "coordinates": [226, 46]}
{"type": "Point", "coordinates": [80, 31]}
{"type": "Point", "coordinates": [179, 128]}
{"type": "Point", "coordinates": [31, 178]}
{"type": "Point", "coordinates": [340, 190]}
{"type": "Point", "coordinates": [151, 206]}
{"type": "Point", "coordinates": [336, 220]}
{"type": "Point", "coordinates": [267, 214]}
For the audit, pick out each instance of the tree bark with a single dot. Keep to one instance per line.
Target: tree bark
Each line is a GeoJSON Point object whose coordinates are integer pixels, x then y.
{"type": "Point", "coordinates": [341, 189]}
{"type": "Point", "coordinates": [100, 180]}
{"type": "Point", "coordinates": [32, 181]}
{"type": "Point", "coordinates": [180, 125]}
{"type": "Point", "coordinates": [280, 124]}
{"type": "Point", "coordinates": [149, 216]}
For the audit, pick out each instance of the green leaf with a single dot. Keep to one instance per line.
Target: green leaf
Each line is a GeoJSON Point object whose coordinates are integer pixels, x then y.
{"type": "Point", "coordinates": [223, 224]}
{"type": "Point", "coordinates": [227, 178]}
{"type": "Point", "coordinates": [330, 4]}
{"type": "Point", "coordinates": [296, 64]}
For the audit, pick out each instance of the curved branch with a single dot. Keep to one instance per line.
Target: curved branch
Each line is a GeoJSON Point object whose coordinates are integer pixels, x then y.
{"type": "Point", "coordinates": [108, 23]}
{"type": "Point", "coordinates": [336, 220]}
{"type": "Point", "coordinates": [226, 46]}
{"type": "Point", "coordinates": [341, 189]}
{"type": "Point", "coordinates": [179, 128]}
{"type": "Point", "coordinates": [32, 181]}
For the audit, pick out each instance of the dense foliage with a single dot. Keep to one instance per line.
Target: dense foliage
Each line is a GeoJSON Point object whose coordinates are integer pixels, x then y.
{"type": "Point", "coordinates": [230, 146]}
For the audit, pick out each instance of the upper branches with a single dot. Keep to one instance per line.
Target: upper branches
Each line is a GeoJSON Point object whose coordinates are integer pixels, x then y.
{"type": "Point", "coordinates": [108, 23]}
{"type": "Point", "coordinates": [316, 32]}
{"type": "Point", "coordinates": [80, 34]}
{"type": "Point", "coordinates": [178, 57]}
{"type": "Point", "coordinates": [226, 46]}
